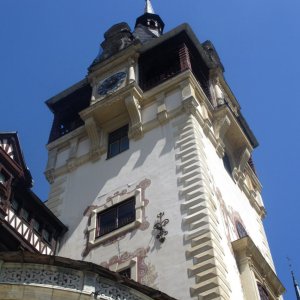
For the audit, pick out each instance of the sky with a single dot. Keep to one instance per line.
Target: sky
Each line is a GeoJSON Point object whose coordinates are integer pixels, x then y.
{"type": "Point", "coordinates": [46, 46]}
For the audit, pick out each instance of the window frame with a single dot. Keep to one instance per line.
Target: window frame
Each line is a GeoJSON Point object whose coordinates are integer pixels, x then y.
{"type": "Point", "coordinates": [117, 136]}
{"type": "Point", "coordinates": [43, 235]}
{"type": "Point", "coordinates": [129, 264]}
{"type": "Point", "coordinates": [240, 229]}
{"type": "Point", "coordinates": [115, 208]}
{"type": "Point", "coordinates": [262, 291]}
{"type": "Point", "coordinates": [94, 239]}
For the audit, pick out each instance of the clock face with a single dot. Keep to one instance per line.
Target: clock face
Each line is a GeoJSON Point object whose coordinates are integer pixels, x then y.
{"type": "Point", "coordinates": [111, 84]}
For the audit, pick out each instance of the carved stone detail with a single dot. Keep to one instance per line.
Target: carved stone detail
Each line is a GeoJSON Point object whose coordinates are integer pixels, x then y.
{"type": "Point", "coordinates": [134, 110]}
{"type": "Point", "coordinates": [199, 207]}
{"type": "Point", "coordinates": [109, 291]}
{"type": "Point", "coordinates": [238, 172]}
{"type": "Point", "coordinates": [131, 70]}
{"type": "Point", "coordinates": [64, 278]}
{"type": "Point", "coordinates": [50, 175]}
{"type": "Point", "coordinates": [92, 131]}
{"type": "Point", "coordinates": [60, 278]}
{"type": "Point", "coordinates": [221, 127]}
{"type": "Point", "coordinates": [162, 114]}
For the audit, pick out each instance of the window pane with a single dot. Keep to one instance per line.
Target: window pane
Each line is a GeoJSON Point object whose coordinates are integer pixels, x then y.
{"type": "Point", "coordinates": [124, 144]}
{"type": "Point", "coordinates": [25, 215]}
{"type": "Point", "coordinates": [47, 235]}
{"type": "Point", "coordinates": [241, 230]}
{"type": "Point", "coordinates": [126, 213]}
{"type": "Point", "coordinates": [114, 149]}
{"type": "Point", "coordinates": [118, 141]}
{"type": "Point", "coordinates": [227, 165]}
{"type": "Point", "coordinates": [126, 273]}
{"type": "Point", "coordinates": [262, 292]}
{"type": "Point", "coordinates": [37, 226]}
{"type": "Point", "coordinates": [107, 221]}
{"type": "Point", "coordinates": [15, 205]}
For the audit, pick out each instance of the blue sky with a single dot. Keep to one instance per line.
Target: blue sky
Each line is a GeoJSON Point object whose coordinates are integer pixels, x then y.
{"type": "Point", "coordinates": [47, 46]}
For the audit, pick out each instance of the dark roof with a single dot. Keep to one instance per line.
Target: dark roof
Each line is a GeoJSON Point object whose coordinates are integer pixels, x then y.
{"type": "Point", "coordinates": [32, 258]}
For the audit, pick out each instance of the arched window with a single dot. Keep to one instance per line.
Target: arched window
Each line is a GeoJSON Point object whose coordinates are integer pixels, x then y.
{"type": "Point", "coordinates": [240, 229]}
{"type": "Point", "coordinates": [264, 295]}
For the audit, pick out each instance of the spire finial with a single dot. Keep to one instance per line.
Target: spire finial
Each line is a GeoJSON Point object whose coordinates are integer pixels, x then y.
{"type": "Point", "coordinates": [296, 286]}
{"type": "Point", "coordinates": [149, 8]}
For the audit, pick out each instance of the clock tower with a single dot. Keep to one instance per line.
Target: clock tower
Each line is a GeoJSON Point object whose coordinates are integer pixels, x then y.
{"type": "Point", "coordinates": [150, 167]}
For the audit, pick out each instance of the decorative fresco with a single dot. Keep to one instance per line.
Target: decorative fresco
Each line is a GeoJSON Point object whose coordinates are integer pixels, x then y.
{"type": "Point", "coordinates": [146, 272]}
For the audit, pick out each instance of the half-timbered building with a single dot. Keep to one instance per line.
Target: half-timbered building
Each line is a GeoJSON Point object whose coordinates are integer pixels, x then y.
{"type": "Point", "coordinates": [25, 221]}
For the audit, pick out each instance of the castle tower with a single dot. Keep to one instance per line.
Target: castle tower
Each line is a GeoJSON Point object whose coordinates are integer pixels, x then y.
{"type": "Point", "coordinates": [150, 168]}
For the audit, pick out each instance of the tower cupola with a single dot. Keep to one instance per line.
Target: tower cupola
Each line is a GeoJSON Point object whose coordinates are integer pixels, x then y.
{"type": "Point", "coordinates": [149, 25]}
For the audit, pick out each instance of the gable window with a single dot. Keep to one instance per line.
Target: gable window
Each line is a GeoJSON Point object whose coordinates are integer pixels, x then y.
{"type": "Point", "coordinates": [118, 141]}
{"type": "Point", "coordinates": [116, 217]}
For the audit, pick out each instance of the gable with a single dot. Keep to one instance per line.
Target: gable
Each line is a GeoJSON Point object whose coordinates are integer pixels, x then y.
{"type": "Point", "coordinates": [9, 142]}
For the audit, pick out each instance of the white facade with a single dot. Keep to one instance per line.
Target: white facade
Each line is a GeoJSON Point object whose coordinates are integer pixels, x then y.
{"type": "Point", "coordinates": [174, 165]}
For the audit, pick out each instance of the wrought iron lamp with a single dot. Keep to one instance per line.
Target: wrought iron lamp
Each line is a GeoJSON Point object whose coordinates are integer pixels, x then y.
{"type": "Point", "coordinates": [159, 226]}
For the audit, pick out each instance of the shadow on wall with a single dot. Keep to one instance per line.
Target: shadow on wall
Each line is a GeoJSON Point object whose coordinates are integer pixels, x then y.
{"type": "Point", "coordinates": [106, 175]}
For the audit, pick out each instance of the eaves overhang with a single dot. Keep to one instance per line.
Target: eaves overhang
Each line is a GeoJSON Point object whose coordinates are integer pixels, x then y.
{"type": "Point", "coordinates": [66, 93]}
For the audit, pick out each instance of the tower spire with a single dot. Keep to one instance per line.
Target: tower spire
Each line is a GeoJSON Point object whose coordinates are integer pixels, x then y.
{"type": "Point", "coordinates": [149, 8]}
{"type": "Point", "coordinates": [296, 286]}
{"type": "Point", "coordinates": [149, 25]}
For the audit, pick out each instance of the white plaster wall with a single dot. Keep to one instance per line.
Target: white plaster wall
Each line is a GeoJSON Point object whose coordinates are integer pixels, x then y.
{"type": "Point", "coordinates": [236, 203]}
{"type": "Point", "coordinates": [62, 156]}
{"type": "Point", "coordinates": [149, 112]}
{"type": "Point", "coordinates": [153, 158]}
{"type": "Point", "coordinates": [83, 147]}
{"type": "Point", "coordinates": [173, 99]}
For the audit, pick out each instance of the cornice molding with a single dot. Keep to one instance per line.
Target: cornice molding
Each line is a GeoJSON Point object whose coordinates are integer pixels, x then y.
{"type": "Point", "coordinates": [246, 249]}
